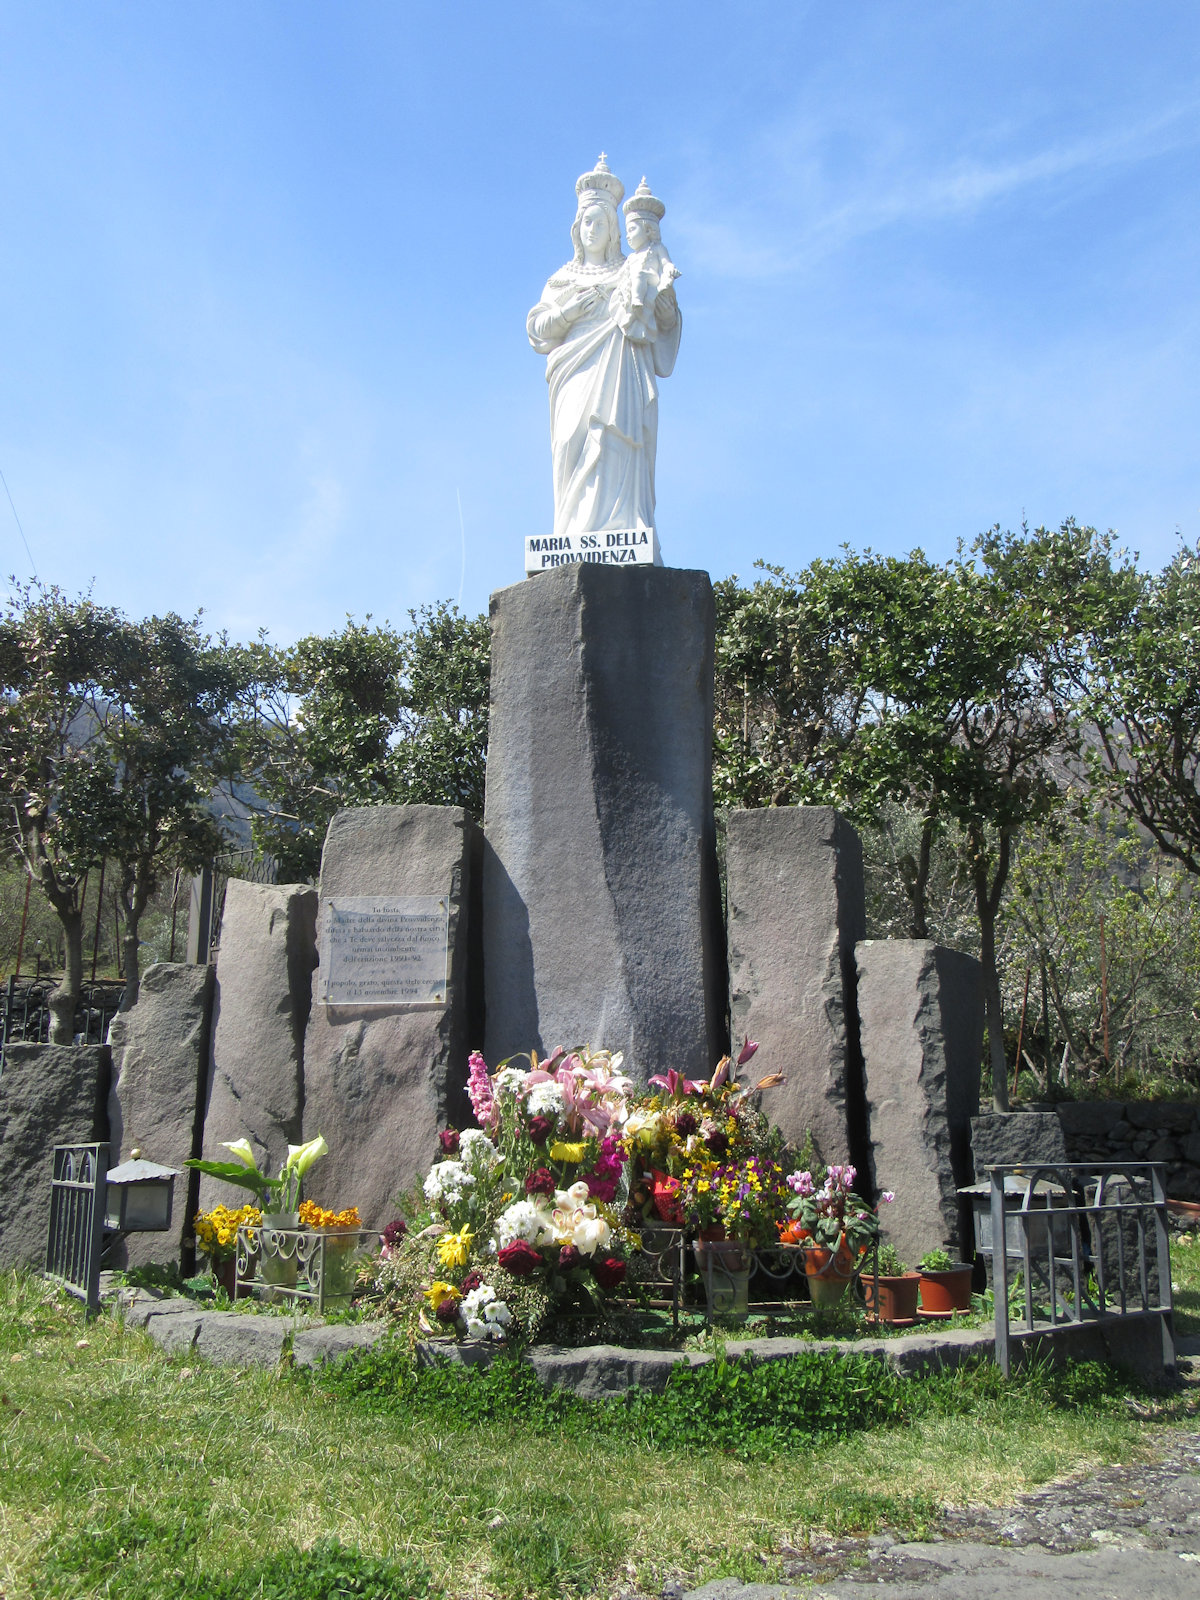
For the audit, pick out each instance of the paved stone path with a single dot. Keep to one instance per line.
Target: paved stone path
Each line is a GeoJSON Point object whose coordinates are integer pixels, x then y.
{"type": "Point", "coordinates": [1124, 1532]}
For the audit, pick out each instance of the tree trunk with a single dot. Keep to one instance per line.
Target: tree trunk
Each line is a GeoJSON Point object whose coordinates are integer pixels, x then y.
{"type": "Point", "coordinates": [987, 902]}
{"type": "Point", "coordinates": [133, 896]}
{"type": "Point", "coordinates": [920, 888]}
{"type": "Point", "coordinates": [64, 999]}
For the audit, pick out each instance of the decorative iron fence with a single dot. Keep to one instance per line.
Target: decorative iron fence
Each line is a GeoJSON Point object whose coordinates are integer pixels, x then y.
{"type": "Point", "coordinates": [25, 1010]}
{"type": "Point", "coordinates": [76, 1236]}
{"type": "Point", "coordinates": [1080, 1244]}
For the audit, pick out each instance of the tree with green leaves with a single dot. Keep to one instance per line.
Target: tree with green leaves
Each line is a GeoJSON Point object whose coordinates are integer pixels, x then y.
{"type": "Point", "coordinates": [365, 716]}
{"type": "Point", "coordinates": [1144, 703]}
{"type": "Point", "coordinates": [110, 736]}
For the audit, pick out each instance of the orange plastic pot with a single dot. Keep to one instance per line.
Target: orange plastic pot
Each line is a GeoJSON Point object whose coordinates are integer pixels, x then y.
{"type": "Point", "coordinates": [943, 1292]}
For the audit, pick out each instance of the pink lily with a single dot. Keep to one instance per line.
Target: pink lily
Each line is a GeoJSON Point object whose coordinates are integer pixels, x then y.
{"type": "Point", "coordinates": [747, 1050]}
{"type": "Point", "coordinates": [676, 1085]}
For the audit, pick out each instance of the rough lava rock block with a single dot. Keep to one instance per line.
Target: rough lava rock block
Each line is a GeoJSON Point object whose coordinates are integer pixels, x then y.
{"type": "Point", "coordinates": [380, 1081]}
{"type": "Point", "coordinates": [601, 897]}
{"type": "Point", "coordinates": [921, 1010]}
{"type": "Point", "coordinates": [1021, 1138]}
{"type": "Point", "coordinates": [49, 1094]}
{"type": "Point", "coordinates": [260, 1008]}
{"type": "Point", "coordinates": [160, 1069]}
{"type": "Point", "coordinates": [796, 910]}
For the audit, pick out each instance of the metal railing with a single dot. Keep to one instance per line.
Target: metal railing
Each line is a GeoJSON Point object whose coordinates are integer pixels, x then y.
{"type": "Point", "coordinates": [25, 1010]}
{"type": "Point", "coordinates": [76, 1236]}
{"type": "Point", "coordinates": [1091, 1245]}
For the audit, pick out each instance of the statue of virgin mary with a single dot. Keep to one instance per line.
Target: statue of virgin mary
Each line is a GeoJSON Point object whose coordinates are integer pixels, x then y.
{"type": "Point", "coordinates": [603, 383]}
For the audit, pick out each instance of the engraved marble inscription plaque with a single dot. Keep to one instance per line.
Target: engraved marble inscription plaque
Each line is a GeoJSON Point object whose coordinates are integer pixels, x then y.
{"type": "Point", "coordinates": [385, 951]}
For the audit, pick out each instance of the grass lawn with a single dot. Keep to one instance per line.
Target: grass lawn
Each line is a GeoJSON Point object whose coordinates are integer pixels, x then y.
{"type": "Point", "coordinates": [124, 1471]}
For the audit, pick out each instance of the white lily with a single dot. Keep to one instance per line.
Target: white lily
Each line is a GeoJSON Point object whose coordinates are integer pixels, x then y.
{"type": "Point", "coordinates": [301, 1156]}
{"type": "Point", "coordinates": [241, 1149]}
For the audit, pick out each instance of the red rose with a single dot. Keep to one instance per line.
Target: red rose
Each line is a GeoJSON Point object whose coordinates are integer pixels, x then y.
{"type": "Point", "coordinates": [520, 1259]}
{"type": "Point", "coordinates": [540, 1182]}
{"type": "Point", "coordinates": [447, 1310]}
{"type": "Point", "coordinates": [568, 1257]}
{"type": "Point", "coordinates": [470, 1282]}
{"type": "Point", "coordinates": [609, 1272]}
{"type": "Point", "coordinates": [540, 1129]}
{"type": "Point", "coordinates": [449, 1141]}
{"type": "Point", "coordinates": [394, 1232]}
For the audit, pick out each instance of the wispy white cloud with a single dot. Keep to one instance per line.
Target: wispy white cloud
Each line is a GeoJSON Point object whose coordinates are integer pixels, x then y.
{"type": "Point", "coordinates": [799, 211]}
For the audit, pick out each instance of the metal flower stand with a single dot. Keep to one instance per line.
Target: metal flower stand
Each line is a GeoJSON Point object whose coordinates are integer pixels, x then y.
{"type": "Point", "coordinates": [313, 1264]}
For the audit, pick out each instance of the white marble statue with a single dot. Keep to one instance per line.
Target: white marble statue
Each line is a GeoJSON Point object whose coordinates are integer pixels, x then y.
{"type": "Point", "coordinates": [609, 329]}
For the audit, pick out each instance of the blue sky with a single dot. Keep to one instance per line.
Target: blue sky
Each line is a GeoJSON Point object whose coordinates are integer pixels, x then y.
{"type": "Point", "coordinates": [264, 271]}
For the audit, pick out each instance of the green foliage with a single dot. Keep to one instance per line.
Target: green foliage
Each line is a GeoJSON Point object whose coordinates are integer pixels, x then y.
{"type": "Point", "coordinates": [112, 734]}
{"type": "Point", "coordinates": [367, 716]}
{"type": "Point", "coordinates": [890, 1264]}
{"type": "Point", "coordinates": [936, 1261]}
{"type": "Point", "coordinates": [1144, 702]}
{"type": "Point", "coordinates": [148, 1559]}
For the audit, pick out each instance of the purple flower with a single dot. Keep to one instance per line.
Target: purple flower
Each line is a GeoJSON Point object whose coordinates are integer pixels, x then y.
{"type": "Point", "coordinates": [447, 1310]}
{"type": "Point", "coordinates": [448, 1139]}
{"type": "Point", "coordinates": [540, 1181]}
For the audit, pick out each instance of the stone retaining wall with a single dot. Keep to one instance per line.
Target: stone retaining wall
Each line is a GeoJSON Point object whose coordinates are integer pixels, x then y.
{"type": "Point", "coordinates": [1107, 1130]}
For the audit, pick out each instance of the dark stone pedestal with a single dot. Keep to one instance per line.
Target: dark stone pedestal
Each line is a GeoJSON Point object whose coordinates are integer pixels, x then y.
{"type": "Point", "coordinates": [601, 902]}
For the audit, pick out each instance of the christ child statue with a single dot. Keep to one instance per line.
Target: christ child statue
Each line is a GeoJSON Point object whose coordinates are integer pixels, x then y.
{"type": "Point", "coordinates": [649, 270]}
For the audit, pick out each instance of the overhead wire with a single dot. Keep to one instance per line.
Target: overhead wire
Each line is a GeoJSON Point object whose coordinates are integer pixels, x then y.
{"type": "Point", "coordinates": [17, 520]}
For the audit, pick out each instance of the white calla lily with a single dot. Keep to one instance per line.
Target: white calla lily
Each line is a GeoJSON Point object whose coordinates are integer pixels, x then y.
{"type": "Point", "coordinates": [301, 1156]}
{"type": "Point", "coordinates": [241, 1149]}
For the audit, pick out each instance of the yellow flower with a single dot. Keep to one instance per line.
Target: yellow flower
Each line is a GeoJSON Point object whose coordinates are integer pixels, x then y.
{"type": "Point", "coordinates": [453, 1248]}
{"type": "Point", "coordinates": [437, 1292]}
{"type": "Point", "coordinates": [567, 1152]}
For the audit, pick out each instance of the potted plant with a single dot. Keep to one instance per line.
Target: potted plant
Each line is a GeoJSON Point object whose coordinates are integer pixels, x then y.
{"type": "Point", "coordinates": [343, 1246]}
{"type": "Point", "coordinates": [890, 1288]}
{"type": "Point", "coordinates": [278, 1200]}
{"type": "Point", "coordinates": [839, 1226]}
{"type": "Point", "coordinates": [945, 1284]}
{"type": "Point", "coordinates": [733, 1208]}
{"type": "Point", "coordinates": [216, 1237]}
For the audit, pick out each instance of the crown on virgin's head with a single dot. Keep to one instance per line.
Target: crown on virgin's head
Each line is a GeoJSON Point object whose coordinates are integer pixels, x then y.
{"type": "Point", "coordinates": [602, 180]}
{"type": "Point", "coordinates": [642, 200]}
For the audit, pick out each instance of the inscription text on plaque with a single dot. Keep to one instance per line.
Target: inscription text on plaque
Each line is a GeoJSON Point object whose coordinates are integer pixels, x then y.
{"type": "Point", "coordinates": [384, 951]}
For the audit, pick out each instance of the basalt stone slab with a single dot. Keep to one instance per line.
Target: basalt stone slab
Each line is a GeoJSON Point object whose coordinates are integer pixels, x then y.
{"type": "Point", "coordinates": [1022, 1138]}
{"type": "Point", "coordinates": [156, 1104]}
{"type": "Point", "coordinates": [921, 1011]}
{"type": "Point", "coordinates": [313, 1346]}
{"type": "Point", "coordinates": [601, 898]}
{"type": "Point", "coordinates": [49, 1094]}
{"type": "Point", "coordinates": [796, 910]}
{"type": "Point", "coordinates": [260, 1008]}
{"type": "Point", "coordinates": [241, 1339]}
{"type": "Point", "coordinates": [381, 1080]}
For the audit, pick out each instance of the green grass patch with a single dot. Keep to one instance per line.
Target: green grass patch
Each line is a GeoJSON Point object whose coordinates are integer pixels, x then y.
{"type": "Point", "coordinates": [130, 1472]}
{"type": "Point", "coordinates": [1185, 1278]}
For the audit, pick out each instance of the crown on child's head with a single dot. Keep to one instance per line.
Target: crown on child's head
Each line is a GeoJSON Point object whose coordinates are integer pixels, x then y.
{"type": "Point", "coordinates": [600, 181]}
{"type": "Point", "coordinates": [641, 200]}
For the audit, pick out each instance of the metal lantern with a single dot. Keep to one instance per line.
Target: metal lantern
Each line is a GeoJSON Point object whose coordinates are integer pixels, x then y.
{"type": "Point", "coordinates": [139, 1196]}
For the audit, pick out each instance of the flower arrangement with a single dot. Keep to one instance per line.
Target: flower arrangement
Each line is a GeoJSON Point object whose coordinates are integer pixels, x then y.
{"type": "Point", "coordinates": [216, 1230]}
{"type": "Point", "coordinates": [543, 1204]}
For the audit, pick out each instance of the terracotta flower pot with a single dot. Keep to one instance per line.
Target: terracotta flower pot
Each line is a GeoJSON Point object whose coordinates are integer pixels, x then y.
{"type": "Point", "coordinates": [224, 1273]}
{"type": "Point", "coordinates": [897, 1296]}
{"type": "Point", "coordinates": [943, 1292]}
{"type": "Point", "coordinates": [828, 1273]}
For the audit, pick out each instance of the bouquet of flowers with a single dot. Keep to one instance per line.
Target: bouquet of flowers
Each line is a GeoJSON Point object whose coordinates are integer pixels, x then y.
{"type": "Point", "coordinates": [745, 1198]}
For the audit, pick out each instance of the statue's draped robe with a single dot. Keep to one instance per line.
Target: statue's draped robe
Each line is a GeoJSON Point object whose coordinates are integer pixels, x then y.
{"type": "Point", "coordinates": [603, 405]}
